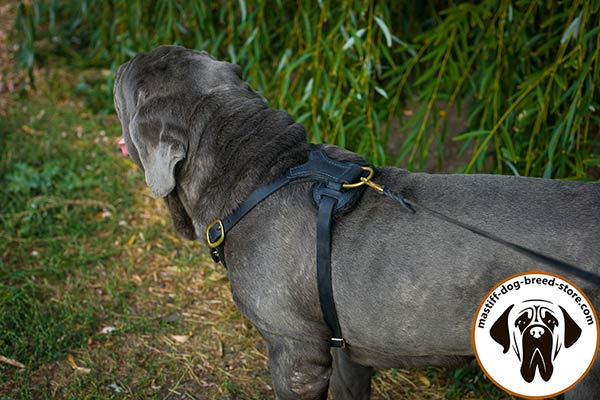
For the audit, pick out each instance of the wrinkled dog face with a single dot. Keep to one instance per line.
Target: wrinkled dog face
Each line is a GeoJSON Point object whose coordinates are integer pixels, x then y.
{"type": "Point", "coordinates": [142, 82]}
{"type": "Point", "coordinates": [154, 96]}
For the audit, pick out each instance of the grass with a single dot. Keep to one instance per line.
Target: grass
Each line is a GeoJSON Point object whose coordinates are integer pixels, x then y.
{"type": "Point", "coordinates": [83, 248]}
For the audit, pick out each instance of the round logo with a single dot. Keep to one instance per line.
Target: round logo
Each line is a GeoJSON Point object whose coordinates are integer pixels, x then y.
{"type": "Point", "coordinates": [535, 335]}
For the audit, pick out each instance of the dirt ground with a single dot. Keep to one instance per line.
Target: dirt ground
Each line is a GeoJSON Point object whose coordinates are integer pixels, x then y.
{"type": "Point", "coordinates": [11, 79]}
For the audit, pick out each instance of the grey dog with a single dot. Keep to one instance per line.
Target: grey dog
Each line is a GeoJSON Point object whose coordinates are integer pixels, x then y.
{"type": "Point", "coordinates": [406, 286]}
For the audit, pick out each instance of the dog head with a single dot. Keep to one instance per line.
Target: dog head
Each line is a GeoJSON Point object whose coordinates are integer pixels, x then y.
{"type": "Point", "coordinates": [154, 95]}
{"type": "Point", "coordinates": [203, 138]}
{"type": "Point", "coordinates": [537, 331]}
{"type": "Point", "coordinates": [154, 126]}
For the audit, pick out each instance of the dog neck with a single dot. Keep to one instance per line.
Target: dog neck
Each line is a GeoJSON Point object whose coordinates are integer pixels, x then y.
{"type": "Point", "coordinates": [239, 144]}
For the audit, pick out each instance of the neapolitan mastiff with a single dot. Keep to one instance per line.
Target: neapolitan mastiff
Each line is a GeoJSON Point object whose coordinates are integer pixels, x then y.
{"type": "Point", "coordinates": [406, 285]}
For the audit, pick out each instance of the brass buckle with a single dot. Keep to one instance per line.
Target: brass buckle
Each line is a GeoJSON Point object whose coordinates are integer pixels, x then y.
{"type": "Point", "coordinates": [365, 181]}
{"type": "Point", "coordinates": [220, 227]}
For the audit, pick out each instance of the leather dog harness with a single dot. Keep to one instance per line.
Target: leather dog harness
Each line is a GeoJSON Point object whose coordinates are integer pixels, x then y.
{"type": "Point", "coordinates": [338, 185]}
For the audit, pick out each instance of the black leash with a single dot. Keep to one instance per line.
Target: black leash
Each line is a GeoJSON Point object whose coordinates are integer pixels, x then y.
{"type": "Point", "coordinates": [536, 255]}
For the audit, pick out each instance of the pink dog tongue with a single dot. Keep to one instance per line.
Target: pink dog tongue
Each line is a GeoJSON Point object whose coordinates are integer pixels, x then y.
{"type": "Point", "coordinates": [123, 148]}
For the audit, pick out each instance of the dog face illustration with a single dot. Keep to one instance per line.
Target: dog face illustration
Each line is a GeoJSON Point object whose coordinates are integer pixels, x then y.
{"type": "Point", "coordinates": [537, 330]}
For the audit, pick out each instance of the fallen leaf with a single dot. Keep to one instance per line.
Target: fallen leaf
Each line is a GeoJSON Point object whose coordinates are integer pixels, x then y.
{"type": "Point", "coordinates": [12, 362]}
{"type": "Point", "coordinates": [424, 381]}
{"type": "Point", "coordinates": [29, 130]}
{"type": "Point", "coordinates": [180, 338]}
{"type": "Point", "coordinates": [131, 241]}
{"type": "Point", "coordinates": [116, 387]}
{"type": "Point", "coordinates": [107, 329]}
{"type": "Point", "coordinates": [71, 361]}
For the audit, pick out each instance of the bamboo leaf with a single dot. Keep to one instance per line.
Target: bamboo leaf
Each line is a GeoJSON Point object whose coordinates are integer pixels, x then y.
{"type": "Point", "coordinates": [381, 91]}
{"type": "Point", "coordinates": [243, 10]}
{"type": "Point", "coordinates": [573, 29]}
{"type": "Point", "coordinates": [471, 134]}
{"type": "Point", "coordinates": [385, 31]}
{"type": "Point", "coordinates": [350, 42]}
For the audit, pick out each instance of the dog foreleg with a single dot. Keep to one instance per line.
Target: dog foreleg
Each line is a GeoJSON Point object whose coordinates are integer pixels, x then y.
{"type": "Point", "coordinates": [349, 381]}
{"type": "Point", "coordinates": [300, 370]}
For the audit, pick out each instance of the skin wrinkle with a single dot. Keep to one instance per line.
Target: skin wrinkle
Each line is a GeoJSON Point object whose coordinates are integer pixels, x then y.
{"type": "Point", "coordinates": [406, 286]}
{"type": "Point", "coordinates": [251, 177]}
{"type": "Point", "coordinates": [231, 109]}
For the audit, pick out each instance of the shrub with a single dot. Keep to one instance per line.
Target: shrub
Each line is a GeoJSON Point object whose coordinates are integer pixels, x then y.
{"type": "Point", "coordinates": [522, 74]}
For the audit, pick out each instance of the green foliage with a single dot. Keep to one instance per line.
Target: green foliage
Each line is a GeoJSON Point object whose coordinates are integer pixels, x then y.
{"type": "Point", "coordinates": [522, 73]}
{"type": "Point", "coordinates": [35, 328]}
{"type": "Point", "coordinates": [65, 266]}
{"type": "Point", "coordinates": [50, 201]}
{"type": "Point", "coordinates": [25, 178]}
{"type": "Point", "coordinates": [465, 381]}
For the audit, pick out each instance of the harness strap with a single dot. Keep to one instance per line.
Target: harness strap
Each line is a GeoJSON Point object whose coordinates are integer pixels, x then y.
{"type": "Point", "coordinates": [215, 233]}
{"type": "Point", "coordinates": [324, 281]}
{"type": "Point", "coordinates": [335, 191]}
{"type": "Point", "coordinates": [318, 168]}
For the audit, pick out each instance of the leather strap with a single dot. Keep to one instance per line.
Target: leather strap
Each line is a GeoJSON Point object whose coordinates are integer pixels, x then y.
{"type": "Point", "coordinates": [324, 281]}
{"type": "Point", "coordinates": [318, 168]}
{"type": "Point", "coordinates": [330, 198]}
{"type": "Point", "coordinates": [217, 231]}
{"type": "Point", "coordinates": [321, 168]}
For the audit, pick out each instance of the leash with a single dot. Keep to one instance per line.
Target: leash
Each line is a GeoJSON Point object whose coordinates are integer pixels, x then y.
{"type": "Point", "coordinates": [338, 185]}
{"type": "Point", "coordinates": [536, 255]}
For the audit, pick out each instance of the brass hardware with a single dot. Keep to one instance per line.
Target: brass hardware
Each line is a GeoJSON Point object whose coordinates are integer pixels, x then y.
{"type": "Point", "coordinates": [341, 341]}
{"type": "Point", "coordinates": [218, 242]}
{"type": "Point", "coordinates": [365, 181]}
{"type": "Point", "coordinates": [377, 187]}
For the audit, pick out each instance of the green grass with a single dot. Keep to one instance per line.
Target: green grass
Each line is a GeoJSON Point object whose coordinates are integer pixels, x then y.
{"type": "Point", "coordinates": [70, 243]}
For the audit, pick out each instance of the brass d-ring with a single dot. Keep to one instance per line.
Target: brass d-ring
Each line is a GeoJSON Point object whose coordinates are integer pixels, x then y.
{"type": "Point", "coordinates": [362, 181]}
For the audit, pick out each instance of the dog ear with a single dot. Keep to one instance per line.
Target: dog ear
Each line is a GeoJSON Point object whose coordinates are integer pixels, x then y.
{"type": "Point", "coordinates": [499, 331]}
{"type": "Point", "coordinates": [160, 146]}
{"type": "Point", "coordinates": [572, 330]}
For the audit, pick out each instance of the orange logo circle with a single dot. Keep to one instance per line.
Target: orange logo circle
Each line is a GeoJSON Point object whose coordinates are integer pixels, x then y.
{"type": "Point", "coordinates": [535, 335]}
